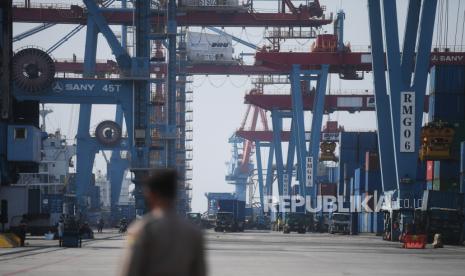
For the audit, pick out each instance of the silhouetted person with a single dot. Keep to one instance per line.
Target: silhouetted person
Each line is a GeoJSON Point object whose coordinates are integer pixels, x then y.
{"type": "Point", "coordinates": [100, 225]}
{"type": "Point", "coordinates": [161, 243]}
{"type": "Point", "coordinates": [23, 230]}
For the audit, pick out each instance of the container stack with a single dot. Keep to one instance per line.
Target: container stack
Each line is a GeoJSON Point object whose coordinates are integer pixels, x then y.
{"type": "Point", "coordinates": [446, 104]}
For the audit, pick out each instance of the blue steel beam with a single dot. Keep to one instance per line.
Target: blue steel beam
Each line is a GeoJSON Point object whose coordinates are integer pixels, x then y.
{"type": "Point", "coordinates": [277, 122]}
{"type": "Point", "coordinates": [317, 121]}
{"type": "Point", "coordinates": [391, 37]}
{"type": "Point", "coordinates": [405, 143]}
{"type": "Point", "coordinates": [241, 41]}
{"type": "Point", "coordinates": [258, 156]}
{"type": "Point", "coordinates": [462, 167]}
{"type": "Point", "coordinates": [408, 52]}
{"type": "Point", "coordinates": [298, 119]}
{"type": "Point", "coordinates": [87, 92]}
{"type": "Point", "coordinates": [290, 157]}
{"type": "Point", "coordinates": [85, 150]}
{"type": "Point", "coordinates": [171, 79]}
{"type": "Point", "coordinates": [383, 118]}
{"type": "Point", "coordinates": [117, 167]}
{"type": "Point", "coordinates": [141, 130]}
{"type": "Point", "coordinates": [406, 161]}
{"type": "Point", "coordinates": [270, 172]}
{"type": "Point", "coordinates": [423, 50]}
{"type": "Point", "coordinates": [121, 55]}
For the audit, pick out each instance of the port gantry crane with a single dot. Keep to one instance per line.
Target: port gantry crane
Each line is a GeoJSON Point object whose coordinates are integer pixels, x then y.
{"type": "Point", "coordinates": [348, 65]}
{"type": "Point", "coordinates": [241, 167]}
{"type": "Point", "coordinates": [131, 89]}
{"type": "Point", "coordinates": [398, 113]}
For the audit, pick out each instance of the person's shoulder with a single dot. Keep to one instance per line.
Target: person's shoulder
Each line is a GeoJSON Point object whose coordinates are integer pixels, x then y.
{"type": "Point", "coordinates": [189, 228]}
{"type": "Point", "coordinates": [138, 226]}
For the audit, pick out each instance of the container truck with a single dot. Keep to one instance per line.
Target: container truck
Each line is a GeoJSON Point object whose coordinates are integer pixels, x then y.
{"type": "Point", "coordinates": [230, 216]}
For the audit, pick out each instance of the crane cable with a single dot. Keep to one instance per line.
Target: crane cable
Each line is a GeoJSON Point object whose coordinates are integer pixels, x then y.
{"type": "Point", "coordinates": [446, 16]}
{"type": "Point", "coordinates": [463, 28]}
{"type": "Point", "coordinates": [201, 83]}
{"type": "Point", "coordinates": [456, 27]}
{"type": "Point", "coordinates": [438, 24]}
{"type": "Point", "coordinates": [441, 19]}
{"type": "Point", "coordinates": [215, 85]}
{"type": "Point", "coordinates": [239, 85]}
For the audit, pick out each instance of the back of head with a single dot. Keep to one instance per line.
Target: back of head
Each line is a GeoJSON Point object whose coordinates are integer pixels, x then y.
{"type": "Point", "coordinates": [163, 183]}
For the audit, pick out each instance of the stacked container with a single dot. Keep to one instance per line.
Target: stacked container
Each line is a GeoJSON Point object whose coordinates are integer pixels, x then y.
{"type": "Point", "coordinates": [447, 93]}
{"type": "Point", "coordinates": [372, 172]}
{"type": "Point", "coordinates": [445, 175]}
{"type": "Point", "coordinates": [462, 167]}
{"type": "Point", "coordinates": [429, 174]}
{"type": "Point", "coordinates": [353, 147]}
{"type": "Point", "coordinates": [327, 189]}
{"type": "Point", "coordinates": [447, 104]}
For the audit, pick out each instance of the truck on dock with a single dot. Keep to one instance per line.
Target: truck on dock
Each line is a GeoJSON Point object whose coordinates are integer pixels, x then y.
{"type": "Point", "coordinates": [441, 213]}
{"type": "Point", "coordinates": [230, 216]}
{"type": "Point", "coordinates": [340, 223]}
{"type": "Point", "coordinates": [297, 222]}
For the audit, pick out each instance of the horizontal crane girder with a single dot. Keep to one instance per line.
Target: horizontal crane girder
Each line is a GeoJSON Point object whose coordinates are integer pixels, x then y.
{"type": "Point", "coordinates": [350, 103]}
{"type": "Point", "coordinates": [76, 15]}
{"type": "Point", "coordinates": [360, 61]}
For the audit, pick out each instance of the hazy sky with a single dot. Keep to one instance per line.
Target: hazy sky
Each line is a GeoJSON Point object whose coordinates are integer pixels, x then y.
{"type": "Point", "coordinates": [219, 100]}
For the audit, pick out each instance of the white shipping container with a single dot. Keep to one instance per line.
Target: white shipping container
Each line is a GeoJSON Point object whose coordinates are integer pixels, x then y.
{"type": "Point", "coordinates": [206, 48]}
{"type": "Point", "coordinates": [349, 101]}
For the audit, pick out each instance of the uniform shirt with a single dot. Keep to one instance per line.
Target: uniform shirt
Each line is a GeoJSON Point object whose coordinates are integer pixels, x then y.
{"type": "Point", "coordinates": [163, 244]}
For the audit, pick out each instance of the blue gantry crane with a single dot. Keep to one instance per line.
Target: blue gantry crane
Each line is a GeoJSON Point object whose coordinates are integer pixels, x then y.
{"type": "Point", "coordinates": [399, 96]}
{"type": "Point", "coordinates": [238, 173]}
{"type": "Point", "coordinates": [130, 92]}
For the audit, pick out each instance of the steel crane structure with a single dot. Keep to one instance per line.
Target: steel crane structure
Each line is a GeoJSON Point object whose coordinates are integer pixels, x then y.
{"type": "Point", "coordinates": [131, 91]}
{"type": "Point", "coordinates": [156, 143]}
{"type": "Point", "coordinates": [241, 166]}
{"type": "Point", "coordinates": [399, 118]}
{"type": "Point", "coordinates": [399, 109]}
{"type": "Point", "coordinates": [149, 143]}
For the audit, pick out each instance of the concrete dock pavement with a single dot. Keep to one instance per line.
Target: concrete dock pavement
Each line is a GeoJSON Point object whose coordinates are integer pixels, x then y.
{"type": "Point", "coordinates": [34, 243]}
{"type": "Point", "coordinates": [255, 253]}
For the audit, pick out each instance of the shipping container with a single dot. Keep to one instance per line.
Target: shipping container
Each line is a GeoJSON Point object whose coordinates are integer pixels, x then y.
{"type": "Point", "coordinates": [436, 185]}
{"type": "Point", "coordinates": [209, 48]}
{"type": "Point", "coordinates": [446, 107]}
{"type": "Point", "coordinates": [371, 161]}
{"type": "Point", "coordinates": [373, 181]}
{"type": "Point", "coordinates": [359, 181]}
{"type": "Point", "coordinates": [438, 199]}
{"type": "Point", "coordinates": [429, 185]}
{"type": "Point", "coordinates": [33, 206]}
{"type": "Point", "coordinates": [459, 137]}
{"type": "Point", "coordinates": [446, 170]}
{"type": "Point", "coordinates": [378, 223]}
{"type": "Point", "coordinates": [295, 189]}
{"type": "Point", "coordinates": [237, 207]}
{"type": "Point", "coordinates": [446, 175]}
{"type": "Point", "coordinates": [353, 147]}
{"type": "Point", "coordinates": [327, 189]}
{"type": "Point", "coordinates": [462, 167]}
{"type": "Point", "coordinates": [52, 203]}
{"type": "Point", "coordinates": [429, 170]}
{"type": "Point", "coordinates": [447, 79]}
